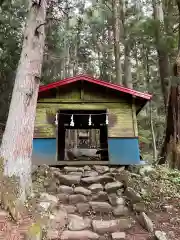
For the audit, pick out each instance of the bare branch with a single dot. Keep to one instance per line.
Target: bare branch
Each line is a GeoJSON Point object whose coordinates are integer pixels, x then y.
{"type": "Point", "coordinates": [36, 30]}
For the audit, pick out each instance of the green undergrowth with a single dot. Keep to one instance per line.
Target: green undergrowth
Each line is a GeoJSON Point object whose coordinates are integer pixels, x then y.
{"type": "Point", "coordinates": [156, 184]}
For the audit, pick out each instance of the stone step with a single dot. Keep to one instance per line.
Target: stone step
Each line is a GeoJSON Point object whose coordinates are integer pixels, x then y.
{"type": "Point", "coordinates": [79, 235]}
{"type": "Point", "coordinates": [103, 227]}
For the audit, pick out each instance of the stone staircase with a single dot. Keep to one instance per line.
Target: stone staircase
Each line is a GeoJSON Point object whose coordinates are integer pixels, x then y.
{"type": "Point", "coordinates": [91, 203]}
{"type": "Point", "coordinates": [82, 203]}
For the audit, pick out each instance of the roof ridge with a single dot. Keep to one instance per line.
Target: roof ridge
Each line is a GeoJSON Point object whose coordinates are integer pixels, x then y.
{"type": "Point", "coordinates": [93, 80]}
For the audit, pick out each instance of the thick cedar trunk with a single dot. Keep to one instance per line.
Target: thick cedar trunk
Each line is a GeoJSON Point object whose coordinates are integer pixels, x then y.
{"type": "Point", "coordinates": [171, 146]}
{"type": "Point", "coordinates": [171, 150]}
{"type": "Point", "coordinates": [16, 148]}
{"type": "Point", "coordinates": [161, 49]}
{"type": "Point", "coordinates": [117, 24]}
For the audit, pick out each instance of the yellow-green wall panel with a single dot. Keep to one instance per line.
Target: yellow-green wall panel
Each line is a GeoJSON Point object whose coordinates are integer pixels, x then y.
{"type": "Point", "coordinates": [120, 117]}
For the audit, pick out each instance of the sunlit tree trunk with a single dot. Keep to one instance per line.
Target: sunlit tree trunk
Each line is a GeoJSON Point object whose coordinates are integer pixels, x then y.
{"type": "Point", "coordinates": [161, 47]}
{"type": "Point", "coordinates": [127, 67]}
{"type": "Point", "coordinates": [117, 26]}
{"type": "Point", "coordinates": [16, 148]}
{"type": "Point", "coordinates": [110, 53]}
{"type": "Point", "coordinates": [67, 53]}
{"type": "Point", "coordinates": [149, 83]}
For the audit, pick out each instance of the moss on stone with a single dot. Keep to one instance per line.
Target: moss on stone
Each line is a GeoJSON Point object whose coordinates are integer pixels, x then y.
{"type": "Point", "coordinates": [35, 230]}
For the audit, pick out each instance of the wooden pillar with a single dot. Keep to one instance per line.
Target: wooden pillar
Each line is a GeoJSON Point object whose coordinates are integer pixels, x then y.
{"type": "Point", "coordinates": [103, 142]}
{"type": "Point", "coordinates": [61, 138]}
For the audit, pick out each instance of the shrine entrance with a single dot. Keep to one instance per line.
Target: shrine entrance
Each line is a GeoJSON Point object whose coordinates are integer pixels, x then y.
{"type": "Point", "coordinates": [82, 135]}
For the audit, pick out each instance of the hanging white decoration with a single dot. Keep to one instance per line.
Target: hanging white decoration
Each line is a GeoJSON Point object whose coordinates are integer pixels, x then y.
{"type": "Point", "coordinates": [72, 121]}
{"type": "Point", "coordinates": [56, 120]}
{"type": "Point", "coordinates": [90, 122]}
{"type": "Point", "coordinates": [107, 120]}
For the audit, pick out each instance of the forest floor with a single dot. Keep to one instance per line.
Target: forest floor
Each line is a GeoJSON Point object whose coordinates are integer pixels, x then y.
{"type": "Point", "coordinates": [157, 187]}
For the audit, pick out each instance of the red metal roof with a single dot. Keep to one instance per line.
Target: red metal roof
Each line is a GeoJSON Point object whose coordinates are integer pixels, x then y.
{"type": "Point", "coordinates": [99, 82]}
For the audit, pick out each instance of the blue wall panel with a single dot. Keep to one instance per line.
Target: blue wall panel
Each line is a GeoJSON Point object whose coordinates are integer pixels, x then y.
{"type": "Point", "coordinates": [123, 151]}
{"type": "Point", "coordinates": [44, 150]}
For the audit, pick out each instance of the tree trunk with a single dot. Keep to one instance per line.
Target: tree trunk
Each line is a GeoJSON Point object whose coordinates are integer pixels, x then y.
{"type": "Point", "coordinates": [117, 25]}
{"type": "Point", "coordinates": [153, 133]}
{"type": "Point", "coordinates": [67, 53]}
{"type": "Point", "coordinates": [149, 83]}
{"type": "Point", "coordinates": [161, 49]}
{"type": "Point", "coordinates": [110, 53]}
{"type": "Point", "coordinates": [171, 147]}
{"type": "Point", "coordinates": [178, 5]}
{"type": "Point", "coordinates": [16, 148]}
{"type": "Point", "coordinates": [76, 47]}
{"type": "Point", "coordinates": [127, 67]}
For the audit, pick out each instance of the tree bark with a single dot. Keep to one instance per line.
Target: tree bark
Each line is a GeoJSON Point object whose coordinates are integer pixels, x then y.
{"type": "Point", "coordinates": [127, 67]}
{"type": "Point", "coordinates": [76, 47]}
{"type": "Point", "coordinates": [110, 53]}
{"type": "Point", "coordinates": [67, 58]}
{"type": "Point", "coordinates": [117, 25]}
{"type": "Point", "coordinates": [149, 83]}
{"type": "Point", "coordinates": [171, 148]}
{"type": "Point", "coordinates": [178, 5]}
{"type": "Point", "coordinates": [16, 148]}
{"type": "Point", "coordinates": [161, 49]}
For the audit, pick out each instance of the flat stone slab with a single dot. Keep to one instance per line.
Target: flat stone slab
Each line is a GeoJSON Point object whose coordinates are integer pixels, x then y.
{"type": "Point", "coordinates": [83, 207]}
{"type": "Point", "coordinates": [63, 197]}
{"type": "Point", "coordinates": [96, 187]}
{"type": "Point", "coordinates": [82, 190]}
{"type": "Point", "coordinates": [101, 169]}
{"type": "Point", "coordinates": [103, 227]}
{"type": "Point", "coordinates": [79, 235]}
{"type": "Point", "coordinates": [113, 186]}
{"type": "Point", "coordinates": [100, 196]}
{"type": "Point", "coordinates": [118, 236]}
{"type": "Point", "coordinates": [101, 207]}
{"type": "Point", "coordinates": [116, 200]}
{"type": "Point", "coordinates": [139, 207]}
{"type": "Point", "coordinates": [90, 173]}
{"type": "Point", "coordinates": [120, 210]}
{"type": "Point", "coordinates": [77, 223]}
{"type": "Point", "coordinates": [132, 195]}
{"type": "Point", "coordinates": [69, 208]}
{"type": "Point", "coordinates": [77, 198]}
{"type": "Point", "coordinates": [73, 169]}
{"type": "Point", "coordinates": [65, 189]}
{"type": "Point", "coordinates": [68, 179]}
{"type": "Point", "coordinates": [75, 173]}
{"type": "Point", "coordinates": [97, 179]}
